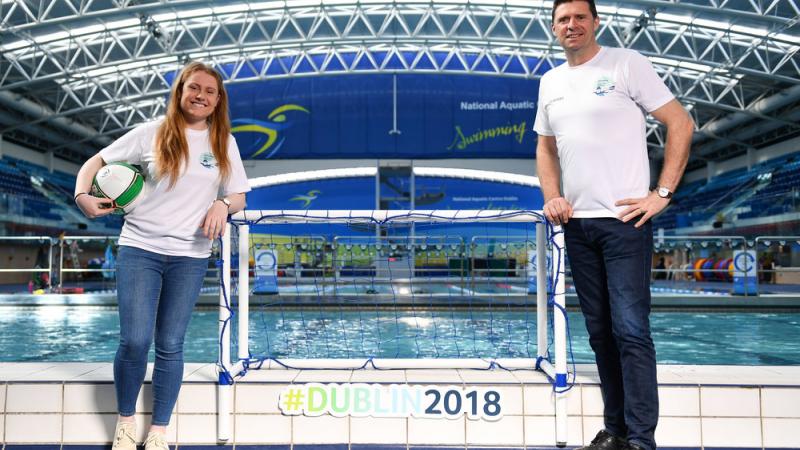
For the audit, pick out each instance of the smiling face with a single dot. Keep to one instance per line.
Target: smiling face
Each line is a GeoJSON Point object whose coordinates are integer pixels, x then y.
{"type": "Point", "coordinates": [199, 97]}
{"type": "Point", "coordinates": [574, 26]}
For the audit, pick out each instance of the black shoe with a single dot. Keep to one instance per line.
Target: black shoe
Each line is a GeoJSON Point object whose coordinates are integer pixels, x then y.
{"type": "Point", "coordinates": [606, 441]}
{"type": "Point", "coordinates": [632, 446]}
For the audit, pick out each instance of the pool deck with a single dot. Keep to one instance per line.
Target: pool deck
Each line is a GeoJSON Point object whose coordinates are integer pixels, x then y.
{"type": "Point", "coordinates": [51, 406]}
{"type": "Point", "coordinates": [659, 300]}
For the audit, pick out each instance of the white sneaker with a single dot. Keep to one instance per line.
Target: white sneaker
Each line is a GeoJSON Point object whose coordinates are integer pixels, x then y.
{"type": "Point", "coordinates": [155, 441]}
{"type": "Point", "coordinates": [124, 436]}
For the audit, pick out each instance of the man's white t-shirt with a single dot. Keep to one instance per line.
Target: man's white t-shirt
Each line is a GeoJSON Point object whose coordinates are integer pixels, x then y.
{"type": "Point", "coordinates": [595, 111]}
{"type": "Point", "coordinates": [167, 220]}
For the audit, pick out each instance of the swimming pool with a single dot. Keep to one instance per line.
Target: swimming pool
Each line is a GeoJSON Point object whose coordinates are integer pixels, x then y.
{"type": "Point", "coordinates": [88, 333]}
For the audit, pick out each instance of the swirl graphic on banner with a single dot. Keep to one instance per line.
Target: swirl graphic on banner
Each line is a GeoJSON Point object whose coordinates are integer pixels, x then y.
{"type": "Point", "coordinates": [270, 129]}
{"type": "Point", "coordinates": [306, 199]}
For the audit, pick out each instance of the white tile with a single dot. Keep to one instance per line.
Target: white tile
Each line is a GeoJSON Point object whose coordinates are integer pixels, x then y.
{"type": "Point", "coordinates": [197, 398]}
{"type": "Point", "coordinates": [731, 432]}
{"type": "Point", "coordinates": [667, 376]}
{"type": "Point", "coordinates": [790, 372]}
{"type": "Point", "coordinates": [540, 400]}
{"type": "Point", "coordinates": [103, 373]}
{"type": "Point", "coordinates": [200, 373]}
{"type": "Point", "coordinates": [541, 431]}
{"type": "Point", "coordinates": [781, 433]}
{"type": "Point", "coordinates": [510, 398]}
{"type": "Point", "coordinates": [2, 399]}
{"type": "Point", "coordinates": [22, 371]}
{"type": "Point", "coordinates": [591, 425]}
{"type": "Point", "coordinates": [506, 431]}
{"type": "Point", "coordinates": [65, 371]}
{"type": "Point", "coordinates": [678, 432]}
{"type": "Point", "coordinates": [679, 401]}
{"type": "Point", "coordinates": [495, 376]}
{"type": "Point", "coordinates": [270, 376]}
{"type": "Point", "coordinates": [33, 428]}
{"type": "Point", "coordinates": [587, 374]}
{"type": "Point", "coordinates": [41, 398]}
{"type": "Point", "coordinates": [143, 425]}
{"type": "Point", "coordinates": [378, 430]}
{"type": "Point", "coordinates": [320, 430]}
{"type": "Point", "coordinates": [89, 428]}
{"type": "Point", "coordinates": [591, 401]}
{"type": "Point", "coordinates": [196, 428]}
{"type": "Point", "coordinates": [144, 402]}
{"type": "Point", "coordinates": [729, 402]}
{"type": "Point", "coordinates": [780, 402]}
{"type": "Point", "coordinates": [433, 376]}
{"type": "Point", "coordinates": [378, 376]}
{"type": "Point", "coordinates": [733, 375]}
{"type": "Point", "coordinates": [530, 377]}
{"type": "Point", "coordinates": [89, 398]}
{"type": "Point", "coordinates": [323, 376]}
{"type": "Point", "coordinates": [257, 398]}
{"type": "Point", "coordinates": [263, 429]}
{"type": "Point", "coordinates": [436, 431]}
{"type": "Point", "coordinates": [2, 428]}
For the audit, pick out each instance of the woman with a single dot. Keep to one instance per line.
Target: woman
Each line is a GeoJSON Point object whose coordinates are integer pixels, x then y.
{"type": "Point", "coordinates": [194, 179]}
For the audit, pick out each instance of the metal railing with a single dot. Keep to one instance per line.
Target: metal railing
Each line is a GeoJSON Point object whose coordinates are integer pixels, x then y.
{"type": "Point", "coordinates": [41, 240]}
{"type": "Point", "coordinates": [777, 266]}
{"type": "Point", "coordinates": [66, 244]}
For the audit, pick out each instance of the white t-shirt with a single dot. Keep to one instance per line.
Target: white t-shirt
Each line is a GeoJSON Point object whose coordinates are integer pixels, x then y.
{"type": "Point", "coordinates": [594, 110]}
{"type": "Point", "coordinates": [167, 221]}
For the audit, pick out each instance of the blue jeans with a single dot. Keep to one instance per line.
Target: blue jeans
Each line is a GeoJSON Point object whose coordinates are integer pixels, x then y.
{"type": "Point", "coordinates": [156, 295]}
{"type": "Point", "coordinates": [610, 263]}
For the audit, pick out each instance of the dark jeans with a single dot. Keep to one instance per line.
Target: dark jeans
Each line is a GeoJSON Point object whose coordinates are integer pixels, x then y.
{"type": "Point", "coordinates": [156, 295]}
{"type": "Point", "coordinates": [610, 263]}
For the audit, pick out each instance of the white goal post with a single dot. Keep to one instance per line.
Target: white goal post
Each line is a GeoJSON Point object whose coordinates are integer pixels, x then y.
{"type": "Point", "coordinates": [546, 237]}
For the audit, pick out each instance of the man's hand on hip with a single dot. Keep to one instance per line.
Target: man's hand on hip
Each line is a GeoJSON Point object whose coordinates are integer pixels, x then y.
{"type": "Point", "coordinates": [646, 207]}
{"type": "Point", "coordinates": [558, 210]}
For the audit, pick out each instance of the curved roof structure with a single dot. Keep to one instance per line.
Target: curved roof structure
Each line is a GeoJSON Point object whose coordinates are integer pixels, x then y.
{"type": "Point", "coordinates": [74, 74]}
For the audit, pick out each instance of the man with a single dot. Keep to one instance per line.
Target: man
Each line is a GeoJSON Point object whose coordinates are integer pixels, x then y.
{"type": "Point", "coordinates": [591, 125]}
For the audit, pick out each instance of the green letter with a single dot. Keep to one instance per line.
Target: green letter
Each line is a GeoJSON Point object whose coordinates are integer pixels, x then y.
{"type": "Point", "coordinates": [315, 392]}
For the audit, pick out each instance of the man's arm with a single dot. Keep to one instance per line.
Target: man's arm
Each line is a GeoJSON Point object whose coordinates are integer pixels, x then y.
{"type": "Point", "coordinates": [556, 208]}
{"type": "Point", "coordinates": [680, 128]}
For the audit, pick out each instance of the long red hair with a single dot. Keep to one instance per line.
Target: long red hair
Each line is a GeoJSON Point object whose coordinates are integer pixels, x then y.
{"type": "Point", "coordinates": [172, 149]}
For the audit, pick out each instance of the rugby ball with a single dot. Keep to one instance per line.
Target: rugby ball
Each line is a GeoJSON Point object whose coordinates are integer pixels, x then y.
{"type": "Point", "coordinates": [120, 182]}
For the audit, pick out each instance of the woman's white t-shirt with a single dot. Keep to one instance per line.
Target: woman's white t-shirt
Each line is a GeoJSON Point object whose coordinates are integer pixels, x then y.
{"type": "Point", "coordinates": [596, 111]}
{"type": "Point", "coordinates": [168, 220]}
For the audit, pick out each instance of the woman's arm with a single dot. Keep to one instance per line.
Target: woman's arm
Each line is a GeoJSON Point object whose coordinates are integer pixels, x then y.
{"type": "Point", "coordinates": [214, 222]}
{"type": "Point", "coordinates": [91, 206]}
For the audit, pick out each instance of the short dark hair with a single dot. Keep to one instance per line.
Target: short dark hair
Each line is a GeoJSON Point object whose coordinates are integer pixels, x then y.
{"type": "Point", "coordinates": [556, 3]}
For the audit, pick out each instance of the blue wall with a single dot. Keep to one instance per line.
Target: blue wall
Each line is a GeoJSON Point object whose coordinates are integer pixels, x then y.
{"type": "Point", "coordinates": [451, 193]}
{"type": "Point", "coordinates": [432, 193]}
{"type": "Point", "coordinates": [342, 193]}
{"type": "Point", "coordinates": [351, 116]}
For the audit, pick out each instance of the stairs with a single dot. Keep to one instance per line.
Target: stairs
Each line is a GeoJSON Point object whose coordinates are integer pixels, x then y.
{"type": "Point", "coordinates": [57, 195]}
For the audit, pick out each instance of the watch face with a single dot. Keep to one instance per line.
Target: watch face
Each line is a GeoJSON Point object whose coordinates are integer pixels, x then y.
{"type": "Point", "coordinates": [664, 192]}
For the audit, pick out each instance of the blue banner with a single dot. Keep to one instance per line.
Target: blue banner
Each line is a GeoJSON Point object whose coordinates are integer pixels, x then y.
{"type": "Point", "coordinates": [355, 116]}
{"type": "Point", "coordinates": [431, 193]}
{"type": "Point", "coordinates": [340, 193]}
{"type": "Point", "coordinates": [452, 193]}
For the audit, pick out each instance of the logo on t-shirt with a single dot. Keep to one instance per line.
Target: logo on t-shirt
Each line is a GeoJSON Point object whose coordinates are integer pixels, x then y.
{"type": "Point", "coordinates": [208, 161]}
{"type": "Point", "coordinates": [603, 86]}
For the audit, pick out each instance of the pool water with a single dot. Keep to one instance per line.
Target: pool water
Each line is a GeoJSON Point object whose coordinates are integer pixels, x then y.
{"type": "Point", "coordinates": [81, 333]}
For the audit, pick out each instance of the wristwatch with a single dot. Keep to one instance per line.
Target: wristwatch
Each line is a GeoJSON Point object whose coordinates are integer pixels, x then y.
{"type": "Point", "coordinates": [225, 201]}
{"type": "Point", "coordinates": [663, 192]}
